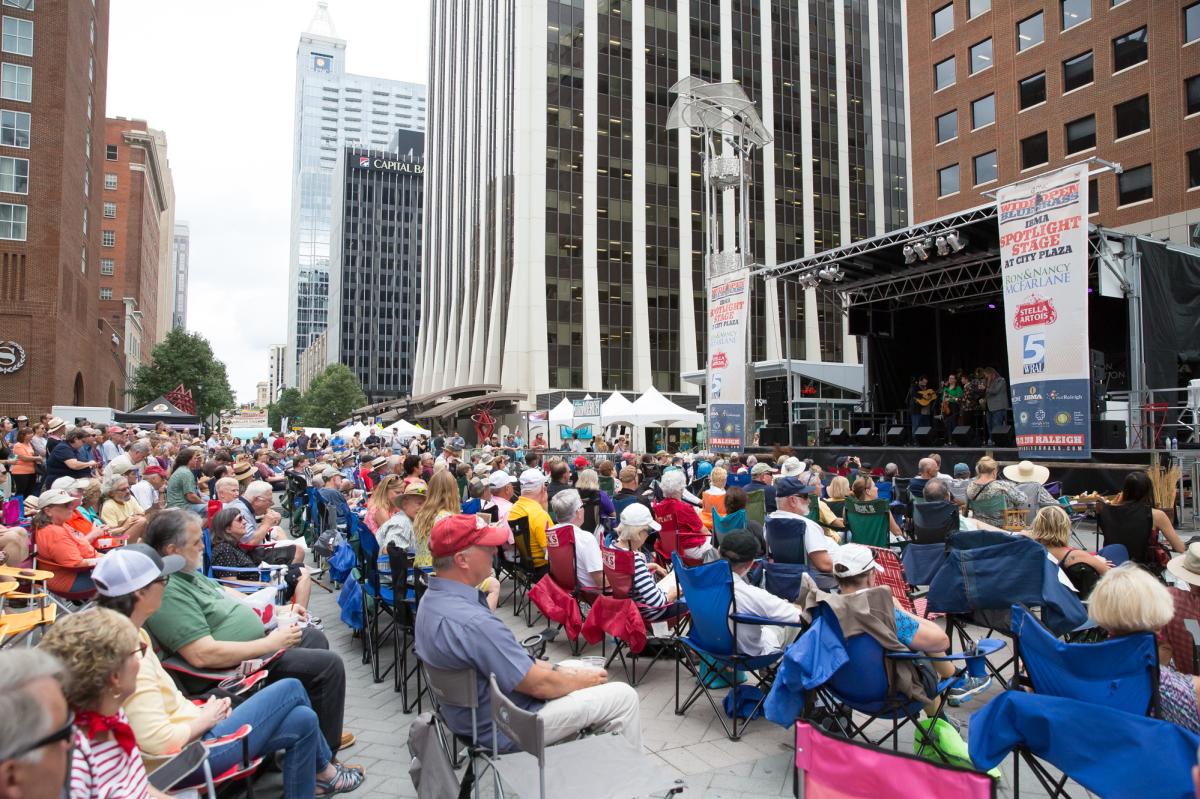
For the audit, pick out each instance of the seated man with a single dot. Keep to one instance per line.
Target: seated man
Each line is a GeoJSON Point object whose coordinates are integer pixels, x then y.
{"type": "Point", "coordinates": [927, 469]}
{"type": "Point", "coordinates": [938, 516]}
{"type": "Point", "coordinates": [35, 743]}
{"type": "Point", "coordinates": [262, 526]}
{"type": "Point", "coordinates": [332, 494]}
{"type": "Point", "coordinates": [530, 510]}
{"type": "Point", "coordinates": [149, 490]}
{"type": "Point", "coordinates": [740, 548]}
{"type": "Point", "coordinates": [762, 478]}
{"type": "Point", "coordinates": [567, 508]}
{"type": "Point", "coordinates": [212, 627]}
{"type": "Point", "coordinates": [959, 483]}
{"type": "Point", "coordinates": [455, 630]}
{"type": "Point", "coordinates": [792, 537]}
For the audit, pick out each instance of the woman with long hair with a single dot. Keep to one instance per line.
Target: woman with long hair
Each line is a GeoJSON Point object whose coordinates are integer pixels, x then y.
{"type": "Point", "coordinates": [383, 502]}
{"type": "Point", "coordinates": [25, 466]}
{"type": "Point", "coordinates": [227, 527]}
{"type": "Point", "coordinates": [1134, 521]}
{"type": "Point", "coordinates": [442, 500]}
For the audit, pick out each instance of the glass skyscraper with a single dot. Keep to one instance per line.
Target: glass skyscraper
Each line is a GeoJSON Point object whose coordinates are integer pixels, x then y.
{"type": "Point", "coordinates": [333, 109]}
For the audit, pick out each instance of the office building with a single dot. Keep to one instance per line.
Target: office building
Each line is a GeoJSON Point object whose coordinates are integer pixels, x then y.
{"type": "Point", "coordinates": [1006, 91]}
{"type": "Point", "coordinates": [166, 245]}
{"type": "Point", "coordinates": [275, 370]}
{"type": "Point", "coordinates": [262, 394]}
{"type": "Point", "coordinates": [181, 253]}
{"type": "Point", "coordinates": [55, 346]}
{"type": "Point", "coordinates": [375, 270]}
{"type": "Point", "coordinates": [563, 221]}
{"type": "Point", "coordinates": [312, 361]}
{"type": "Point", "coordinates": [334, 108]}
{"type": "Point", "coordinates": [135, 204]}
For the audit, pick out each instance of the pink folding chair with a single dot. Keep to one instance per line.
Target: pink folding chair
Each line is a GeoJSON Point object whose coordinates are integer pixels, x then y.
{"type": "Point", "coordinates": [831, 767]}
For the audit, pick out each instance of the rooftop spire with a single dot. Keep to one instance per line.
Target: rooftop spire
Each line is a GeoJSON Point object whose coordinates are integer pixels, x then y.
{"type": "Point", "coordinates": [322, 23]}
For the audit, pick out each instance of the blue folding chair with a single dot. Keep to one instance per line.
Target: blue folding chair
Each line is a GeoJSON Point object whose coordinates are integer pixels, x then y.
{"type": "Point", "coordinates": [1120, 673]}
{"type": "Point", "coordinates": [921, 562]}
{"type": "Point", "coordinates": [740, 480]}
{"type": "Point", "coordinates": [1109, 752]}
{"type": "Point", "coordinates": [712, 639]}
{"type": "Point", "coordinates": [243, 579]}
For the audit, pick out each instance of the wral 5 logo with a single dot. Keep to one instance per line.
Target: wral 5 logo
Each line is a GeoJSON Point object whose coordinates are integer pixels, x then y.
{"type": "Point", "coordinates": [1033, 353]}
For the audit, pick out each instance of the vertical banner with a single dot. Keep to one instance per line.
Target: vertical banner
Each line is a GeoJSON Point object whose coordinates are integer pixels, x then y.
{"type": "Point", "coordinates": [1044, 269]}
{"type": "Point", "coordinates": [728, 318]}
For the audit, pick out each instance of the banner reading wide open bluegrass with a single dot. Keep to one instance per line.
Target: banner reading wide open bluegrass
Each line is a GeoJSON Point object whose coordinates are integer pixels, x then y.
{"type": "Point", "coordinates": [1044, 258]}
{"type": "Point", "coordinates": [728, 317]}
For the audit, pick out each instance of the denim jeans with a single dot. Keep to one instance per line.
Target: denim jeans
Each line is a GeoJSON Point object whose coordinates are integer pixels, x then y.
{"type": "Point", "coordinates": [281, 718]}
{"type": "Point", "coordinates": [920, 420]}
{"type": "Point", "coordinates": [995, 419]}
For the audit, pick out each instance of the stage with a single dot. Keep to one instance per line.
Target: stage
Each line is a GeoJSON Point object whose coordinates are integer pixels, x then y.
{"type": "Point", "coordinates": [1104, 472]}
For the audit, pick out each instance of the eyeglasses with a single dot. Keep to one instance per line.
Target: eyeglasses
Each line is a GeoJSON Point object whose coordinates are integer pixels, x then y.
{"type": "Point", "coordinates": [63, 733]}
{"type": "Point", "coordinates": [141, 650]}
{"type": "Point", "coordinates": [162, 580]}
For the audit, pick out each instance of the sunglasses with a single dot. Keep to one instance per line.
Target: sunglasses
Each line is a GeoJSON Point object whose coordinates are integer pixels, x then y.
{"type": "Point", "coordinates": [63, 733]}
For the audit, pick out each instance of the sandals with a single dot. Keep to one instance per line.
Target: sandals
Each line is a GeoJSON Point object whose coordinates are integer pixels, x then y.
{"type": "Point", "coordinates": [344, 781]}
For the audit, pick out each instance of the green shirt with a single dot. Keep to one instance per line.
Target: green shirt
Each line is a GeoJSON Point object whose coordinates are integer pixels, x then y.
{"type": "Point", "coordinates": [182, 483]}
{"type": "Point", "coordinates": [194, 606]}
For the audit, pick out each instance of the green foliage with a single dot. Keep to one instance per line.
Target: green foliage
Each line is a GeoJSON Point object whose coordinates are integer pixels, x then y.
{"type": "Point", "coordinates": [185, 358]}
{"type": "Point", "coordinates": [288, 406]}
{"type": "Point", "coordinates": [332, 396]}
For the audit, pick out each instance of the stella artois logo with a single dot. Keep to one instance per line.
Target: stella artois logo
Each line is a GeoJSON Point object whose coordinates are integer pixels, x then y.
{"type": "Point", "coordinates": [720, 360]}
{"type": "Point", "coordinates": [1035, 311]}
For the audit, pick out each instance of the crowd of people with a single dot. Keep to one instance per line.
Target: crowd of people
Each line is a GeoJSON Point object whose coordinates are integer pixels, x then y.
{"type": "Point", "coordinates": [129, 520]}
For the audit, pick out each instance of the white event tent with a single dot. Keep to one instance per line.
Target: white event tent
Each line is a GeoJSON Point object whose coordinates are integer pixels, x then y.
{"type": "Point", "coordinates": [652, 409]}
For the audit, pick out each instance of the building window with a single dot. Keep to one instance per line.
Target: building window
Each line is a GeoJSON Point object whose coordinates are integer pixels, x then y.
{"type": "Point", "coordinates": [948, 180]}
{"type": "Point", "coordinates": [1075, 12]}
{"type": "Point", "coordinates": [91, 109]}
{"type": "Point", "coordinates": [947, 126]}
{"type": "Point", "coordinates": [83, 260]}
{"type": "Point", "coordinates": [944, 74]}
{"type": "Point", "coordinates": [14, 175]}
{"type": "Point", "coordinates": [106, 294]}
{"type": "Point", "coordinates": [14, 129]}
{"type": "Point", "coordinates": [983, 111]}
{"type": "Point", "coordinates": [1093, 196]}
{"type": "Point", "coordinates": [1193, 167]}
{"type": "Point", "coordinates": [1034, 151]}
{"type": "Point", "coordinates": [977, 7]}
{"type": "Point", "coordinates": [943, 20]}
{"type": "Point", "coordinates": [24, 5]}
{"type": "Point", "coordinates": [1078, 71]}
{"type": "Point", "coordinates": [1191, 89]}
{"type": "Point", "coordinates": [1130, 49]}
{"type": "Point", "coordinates": [110, 180]}
{"type": "Point", "coordinates": [1081, 134]}
{"type": "Point", "coordinates": [1135, 185]}
{"type": "Point", "coordinates": [110, 152]}
{"type": "Point", "coordinates": [18, 36]}
{"type": "Point", "coordinates": [13, 219]}
{"type": "Point", "coordinates": [85, 222]}
{"type": "Point", "coordinates": [16, 82]}
{"type": "Point", "coordinates": [1031, 31]}
{"type": "Point", "coordinates": [1191, 23]}
{"type": "Point", "coordinates": [1132, 116]}
{"type": "Point", "coordinates": [110, 210]}
{"type": "Point", "coordinates": [108, 238]}
{"type": "Point", "coordinates": [1033, 90]}
{"type": "Point", "coordinates": [985, 168]}
{"type": "Point", "coordinates": [981, 56]}
{"type": "Point", "coordinates": [87, 183]}
{"type": "Point", "coordinates": [106, 266]}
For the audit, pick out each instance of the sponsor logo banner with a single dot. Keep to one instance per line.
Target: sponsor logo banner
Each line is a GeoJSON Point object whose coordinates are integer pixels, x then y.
{"type": "Point", "coordinates": [727, 427]}
{"type": "Point", "coordinates": [1043, 252]}
{"type": "Point", "coordinates": [728, 318]}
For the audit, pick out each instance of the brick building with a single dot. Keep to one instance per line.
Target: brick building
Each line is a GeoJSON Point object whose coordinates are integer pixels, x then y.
{"type": "Point", "coordinates": [137, 209]}
{"type": "Point", "coordinates": [1000, 91]}
{"type": "Point", "coordinates": [53, 72]}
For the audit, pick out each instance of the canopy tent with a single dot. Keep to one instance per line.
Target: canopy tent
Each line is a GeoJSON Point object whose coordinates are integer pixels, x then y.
{"type": "Point", "coordinates": [348, 431]}
{"type": "Point", "coordinates": [616, 409]}
{"type": "Point", "coordinates": [406, 430]}
{"type": "Point", "coordinates": [652, 409]}
{"type": "Point", "coordinates": [160, 410]}
{"type": "Point", "coordinates": [563, 414]}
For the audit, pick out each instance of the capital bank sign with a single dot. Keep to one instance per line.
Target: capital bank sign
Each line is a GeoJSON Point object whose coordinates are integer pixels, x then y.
{"type": "Point", "coordinates": [367, 162]}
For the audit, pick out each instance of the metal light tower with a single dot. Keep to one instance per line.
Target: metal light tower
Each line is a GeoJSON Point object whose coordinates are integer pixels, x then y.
{"type": "Point", "coordinates": [730, 129]}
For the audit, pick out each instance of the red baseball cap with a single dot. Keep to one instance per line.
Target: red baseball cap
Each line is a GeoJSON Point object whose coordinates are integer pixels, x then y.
{"type": "Point", "coordinates": [456, 533]}
{"type": "Point", "coordinates": [581, 462]}
{"type": "Point", "coordinates": [154, 470]}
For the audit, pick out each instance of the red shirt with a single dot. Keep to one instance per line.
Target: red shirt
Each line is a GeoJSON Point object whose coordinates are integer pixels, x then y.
{"type": "Point", "coordinates": [279, 443]}
{"type": "Point", "coordinates": [683, 518]}
{"type": "Point", "coordinates": [62, 550]}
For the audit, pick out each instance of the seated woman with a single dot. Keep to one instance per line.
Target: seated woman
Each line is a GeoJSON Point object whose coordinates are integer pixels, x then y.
{"type": "Point", "coordinates": [820, 510]}
{"type": "Point", "coordinates": [120, 511]}
{"type": "Point", "coordinates": [986, 487]}
{"type": "Point", "coordinates": [381, 505]}
{"type": "Point", "coordinates": [865, 490]}
{"type": "Point", "coordinates": [736, 500]}
{"type": "Point", "coordinates": [89, 504]}
{"type": "Point", "coordinates": [61, 548]}
{"type": "Point", "coordinates": [713, 496]}
{"type": "Point", "coordinates": [1134, 521]}
{"type": "Point", "coordinates": [1052, 529]}
{"type": "Point", "coordinates": [226, 530]}
{"type": "Point", "coordinates": [839, 489]}
{"type": "Point", "coordinates": [597, 504]}
{"type": "Point", "coordinates": [1128, 600]}
{"type": "Point", "coordinates": [653, 599]}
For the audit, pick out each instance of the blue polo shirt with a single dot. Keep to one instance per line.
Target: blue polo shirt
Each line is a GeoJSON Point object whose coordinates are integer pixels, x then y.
{"type": "Point", "coordinates": [455, 630]}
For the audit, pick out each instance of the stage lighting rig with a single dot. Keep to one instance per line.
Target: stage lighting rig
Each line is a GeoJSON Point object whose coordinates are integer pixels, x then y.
{"type": "Point", "coordinates": [922, 249]}
{"type": "Point", "coordinates": [943, 248]}
{"type": "Point", "coordinates": [956, 240]}
{"type": "Point", "coordinates": [910, 255]}
{"type": "Point", "coordinates": [831, 274]}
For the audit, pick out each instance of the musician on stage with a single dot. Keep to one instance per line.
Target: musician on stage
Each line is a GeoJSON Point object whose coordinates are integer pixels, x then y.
{"type": "Point", "coordinates": [920, 403]}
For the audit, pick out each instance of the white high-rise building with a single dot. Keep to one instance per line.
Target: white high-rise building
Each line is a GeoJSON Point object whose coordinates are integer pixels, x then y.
{"type": "Point", "coordinates": [563, 231]}
{"type": "Point", "coordinates": [275, 370]}
{"type": "Point", "coordinates": [181, 253]}
{"type": "Point", "coordinates": [333, 108]}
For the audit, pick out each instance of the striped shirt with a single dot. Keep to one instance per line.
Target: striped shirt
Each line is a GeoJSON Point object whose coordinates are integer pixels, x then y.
{"type": "Point", "coordinates": [102, 770]}
{"type": "Point", "coordinates": [645, 590]}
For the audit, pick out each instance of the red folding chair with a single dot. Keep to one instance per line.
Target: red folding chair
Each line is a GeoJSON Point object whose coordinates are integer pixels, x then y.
{"type": "Point", "coordinates": [560, 554]}
{"type": "Point", "coordinates": [668, 537]}
{"type": "Point", "coordinates": [892, 576]}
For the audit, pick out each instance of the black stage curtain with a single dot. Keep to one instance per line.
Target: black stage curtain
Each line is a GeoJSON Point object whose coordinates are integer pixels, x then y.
{"type": "Point", "coordinates": [1170, 313]}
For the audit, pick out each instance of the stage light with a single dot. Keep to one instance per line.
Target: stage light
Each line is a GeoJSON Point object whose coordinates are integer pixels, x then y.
{"type": "Point", "coordinates": [956, 240]}
{"type": "Point", "coordinates": [922, 249]}
{"type": "Point", "coordinates": [910, 256]}
{"type": "Point", "coordinates": [991, 306]}
{"type": "Point", "coordinates": [831, 274]}
{"type": "Point", "coordinates": [942, 247]}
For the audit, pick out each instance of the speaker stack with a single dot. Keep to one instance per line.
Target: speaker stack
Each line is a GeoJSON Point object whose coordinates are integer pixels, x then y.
{"type": "Point", "coordinates": [838, 437]}
{"type": "Point", "coordinates": [1003, 436]}
{"type": "Point", "coordinates": [964, 436]}
{"type": "Point", "coordinates": [1108, 434]}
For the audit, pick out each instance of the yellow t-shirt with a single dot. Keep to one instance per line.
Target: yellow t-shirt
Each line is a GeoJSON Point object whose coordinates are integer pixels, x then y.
{"type": "Point", "coordinates": [539, 520]}
{"type": "Point", "coordinates": [116, 513]}
{"type": "Point", "coordinates": [159, 714]}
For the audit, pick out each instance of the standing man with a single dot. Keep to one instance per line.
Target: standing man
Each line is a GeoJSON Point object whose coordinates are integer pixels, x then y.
{"type": "Point", "coordinates": [997, 401]}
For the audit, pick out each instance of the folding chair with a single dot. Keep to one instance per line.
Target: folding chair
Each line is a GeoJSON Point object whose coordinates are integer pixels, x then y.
{"type": "Point", "coordinates": [666, 546]}
{"type": "Point", "coordinates": [593, 767]}
{"type": "Point", "coordinates": [921, 562]}
{"type": "Point", "coordinates": [740, 480]}
{"type": "Point", "coordinates": [560, 555]}
{"type": "Point", "coordinates": [892, 577]}
{"type": "Point", "coordinates": [175, 772]}
{"type": "Point", "coordinates": [933, 521]}
{"type": "Point", "coordinates": [28, 586]}
{"type": "Point", "coordinates": [1107, 751]}
{"type": "Point", "coordinates": [712, 606]}
{"type": "Point", "coordinates": [243, 579]}
{"type": "Point", "coordinates": [522, 572]}
{"type": "Point", "coordinates": [868, 522]}
{"type": "Point", "coordinates": [756, 507]}
{"type": "Point", "coordinates": [378, 600]}
{"type": "Point", "coordinates": [787, 559]}
{"type": "Point", "coordinates": [727, 524]}
{"type": "Point", "coordinates": [410, 583]}
{"type": "Point", "coordinates": [827, 765]}
{"type": "Point", "coordinates": [994, 507]}
{"type": "Point", "coordinates": [459, 688]}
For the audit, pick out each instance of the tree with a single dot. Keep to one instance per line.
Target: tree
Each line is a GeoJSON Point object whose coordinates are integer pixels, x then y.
{"type": "Point", "coordinates": [184, 358]}
{"type": "Point", "coordinates": [288, 406]}
{"type": "Point", "coordinates": [332, 396]}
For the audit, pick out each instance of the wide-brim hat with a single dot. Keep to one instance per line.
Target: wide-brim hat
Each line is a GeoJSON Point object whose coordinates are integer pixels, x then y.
{"type": "Point", "coordinates": [1027, 472]}
{"type": "Point", "coordinates": [243, 471]}
{"type": "Point", "coordinates": [55, 424]}
{"type": "Point", "coordinates": [1186, 565]}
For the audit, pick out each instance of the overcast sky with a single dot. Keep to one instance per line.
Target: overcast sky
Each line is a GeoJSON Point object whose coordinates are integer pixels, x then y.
{"type": "Point", "coordinates": [219, 79]}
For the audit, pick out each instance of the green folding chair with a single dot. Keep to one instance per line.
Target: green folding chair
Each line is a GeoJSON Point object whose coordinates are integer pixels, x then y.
{"type": "Point", "coordinates": [868, 522]}
{"type": "Point", "coordinates": [756, 507]}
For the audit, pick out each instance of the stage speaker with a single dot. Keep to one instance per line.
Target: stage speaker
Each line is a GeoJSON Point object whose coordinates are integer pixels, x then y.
{"type": "Point", "coordinates": [897, 436]}
{"type": "Point", "coordinates": [774, 392]}
{"type": "Point", "coordinates": [1108, 434]}
{"type": "Point", "coordinates": [1003, 436]}
{"type": "Point", "coordinates": [866, 437]}
{"type": "Point", "coordinates": [923, 436]}
{"type": "Point", "coordinates": [838, 436]}
{"type": "Point", "coordinates": [964, 436]}
{"type": "Point", "coordinates": [799, 435]}
{"type": "Point", "coordinates": [767, 436]}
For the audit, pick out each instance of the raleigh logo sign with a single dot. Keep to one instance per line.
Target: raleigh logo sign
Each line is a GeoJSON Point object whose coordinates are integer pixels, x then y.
{"type": "Point", "coordinates": [12, 357]}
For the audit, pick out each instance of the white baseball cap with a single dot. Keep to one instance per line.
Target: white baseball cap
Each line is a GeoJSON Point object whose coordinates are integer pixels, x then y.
{"type": "Point", "coordinates": [531, 478]}
{"type": "Point", "coordinates": [792, 467]}
{"type": "Point", "coordinates": [851, 560]}
{"type": "Point", "coordinates": [638, 515]}
{"type": "Point", "coordinates": [55, 496]}
{"type": "Point", "coordinates": [131, 567]}
{"type": "Point", "coordinates": [501, 478]}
